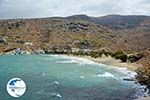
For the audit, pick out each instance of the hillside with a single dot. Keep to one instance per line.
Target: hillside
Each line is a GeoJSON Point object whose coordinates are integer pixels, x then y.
{"type": "Point", "coordinates": [52, 33]}
{"type": "Point", "coordinates": [116, 22]}
{"type": "Point", "coordinates": [78, 31]}
{"type": "Point", "coordinates": [133, 31]}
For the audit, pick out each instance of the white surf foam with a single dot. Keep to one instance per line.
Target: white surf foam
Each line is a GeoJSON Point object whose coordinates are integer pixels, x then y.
{"type": "Point", "coordinates": [43, 74]}
{"type": "Point", "coordinates": [57, 95]}
{"type": "Point", "coordinates": [56, 82]}
{"type": "Point", "coordinates": [105, 74]}
{"type": "Point", "coordinates": [71, 59]}
{"type": "Point", "coordinates": [82, 77]}
{"type": "Point", "coordinates": [127, 72]}
{"type": "Point", "coordinates": [84, 61]}
{"type": "Point", "coordinates": [68, 61]}
{"type": "Point", "coordinates": [142, 91]}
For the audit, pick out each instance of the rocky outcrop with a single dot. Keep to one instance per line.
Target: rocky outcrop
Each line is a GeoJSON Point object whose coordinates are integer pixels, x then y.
{"type": "Point", "coordinates": [2, 40]}
{"type": "Point", "coordinates": [143, 73]}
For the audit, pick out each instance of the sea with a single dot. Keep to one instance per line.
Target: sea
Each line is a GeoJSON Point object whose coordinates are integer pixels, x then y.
{"type": "Point", "coordinates": [62, 77]}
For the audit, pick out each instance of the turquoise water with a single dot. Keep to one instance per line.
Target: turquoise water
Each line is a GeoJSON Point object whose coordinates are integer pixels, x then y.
{"type": "Point", "coordinates": [53, 77]}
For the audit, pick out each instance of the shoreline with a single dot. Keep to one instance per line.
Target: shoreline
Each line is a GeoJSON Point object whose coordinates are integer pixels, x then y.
{"type": "Point", "coordinates": [116, 63]}
{"type": "Point", "coordinates": [106, 60]}
{"type": "Point", "coordinates": [112, 62]}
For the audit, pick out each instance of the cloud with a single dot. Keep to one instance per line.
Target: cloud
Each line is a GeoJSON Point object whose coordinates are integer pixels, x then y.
{"type": "Point", "coordinates": [48, 8]}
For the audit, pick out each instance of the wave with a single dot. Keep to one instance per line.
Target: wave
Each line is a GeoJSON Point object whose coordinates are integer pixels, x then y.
{"type": "Point", "coordinates": [78, 60]}
{"type": "Point", "coordinates": [125, 71]}
{"type": "Point", "coordinates": [84, 61]}
{"type": "Point", "coordinates": [142, 91]}
{"type": "Point", "coordinates": [82, 77]}
{"type": "Point", "coordinates": [105, 74]}
{"type": "Point", "coordinates": [43, 74]}
{"type": "Point", "coordinates": [56, 95]}
{"type": "Point", "coordinates": [56, 82]}
{"type": "Point", "coordinates": [68, 61]}
{"type": "Point", "coordinates": [52, 55]}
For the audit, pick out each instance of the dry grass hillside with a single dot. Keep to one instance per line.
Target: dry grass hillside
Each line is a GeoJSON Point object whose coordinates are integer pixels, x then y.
{"type": "Point", "coordinates": [52, 33]}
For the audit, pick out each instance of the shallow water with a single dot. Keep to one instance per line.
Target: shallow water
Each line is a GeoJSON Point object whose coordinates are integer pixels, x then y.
{"type": "Point", "coordinates": [53, 77]}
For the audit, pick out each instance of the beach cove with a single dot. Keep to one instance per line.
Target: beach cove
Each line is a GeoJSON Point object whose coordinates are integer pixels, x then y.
{"type": "Point", "coordinates": [68, 78]}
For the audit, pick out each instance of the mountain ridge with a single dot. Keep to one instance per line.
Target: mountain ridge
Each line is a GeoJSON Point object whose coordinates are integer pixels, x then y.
{"type": "Point", "coordinates": [113, 21]}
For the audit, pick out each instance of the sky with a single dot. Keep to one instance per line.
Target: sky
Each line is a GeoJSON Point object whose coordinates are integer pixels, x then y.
{"type": "Point", "coordinates": [49, 8]}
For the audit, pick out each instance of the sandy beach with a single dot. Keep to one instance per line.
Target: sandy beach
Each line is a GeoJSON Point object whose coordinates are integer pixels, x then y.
{"type": "Point", "coordinates": [113, 62]}
{"type": "Point", "coordinates": [144, 98]}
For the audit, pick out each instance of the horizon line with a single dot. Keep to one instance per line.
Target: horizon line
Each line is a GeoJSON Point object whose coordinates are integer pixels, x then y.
{"type": "Point", "coordinates": [46, 17]}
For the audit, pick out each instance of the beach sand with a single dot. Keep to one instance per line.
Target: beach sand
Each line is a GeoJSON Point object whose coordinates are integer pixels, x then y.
{"type": "Point", "coordinates": [113, 62]}
{"type": "Point", "coordinates": [144, 98]}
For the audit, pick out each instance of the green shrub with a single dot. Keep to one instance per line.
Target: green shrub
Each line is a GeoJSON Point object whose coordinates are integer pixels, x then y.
{"type": "Point", "coordinates": [134, 58]}
{"type": "Point", "coordinates": [106, 53]}
{"type": "Point", "coordinates": [120, 55]}
{"type": "Point", "coordinates": [95, 54]}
